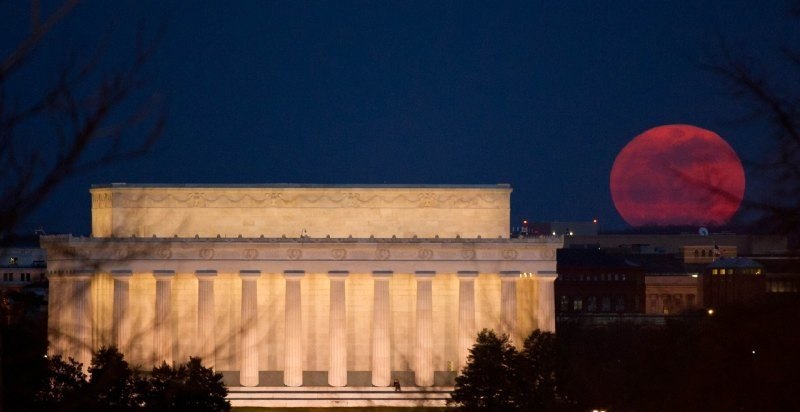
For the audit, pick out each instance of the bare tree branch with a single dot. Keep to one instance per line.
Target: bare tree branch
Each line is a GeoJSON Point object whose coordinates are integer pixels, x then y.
{"type": "Point", "coordinates": [93, 117]}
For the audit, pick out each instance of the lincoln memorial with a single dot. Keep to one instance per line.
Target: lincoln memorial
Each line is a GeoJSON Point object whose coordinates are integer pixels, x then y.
{"type": "Point", "coordinates": [296, 287]}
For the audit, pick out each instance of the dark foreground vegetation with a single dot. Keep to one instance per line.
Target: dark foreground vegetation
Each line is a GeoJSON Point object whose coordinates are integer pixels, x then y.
{"type": "Point", "coordinates": [741, 358]}
{"type": "Point", "coordinates": [37, 383]}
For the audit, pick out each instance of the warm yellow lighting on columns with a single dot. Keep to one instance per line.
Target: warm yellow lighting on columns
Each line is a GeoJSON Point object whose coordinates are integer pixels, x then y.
{"type": "Point", "coordinates": [81, 318]}
{"type": "Point", "coordinates": [381, 350]}
{"type": "Point", "coordinates": [337, 330]}
{"type": "Point", "coordinates": [56, 308]}
{"type": "Point", "coordinates": [546, 313]}
{"type": "Point", "coordinates": [466, 314]}
{"type": "Point", "coordinates": [248, 372]}
{"type": "Point", "coordinates": [423, 372]}
{"type": "Point", "coordinates": [508, 302]}
{"type": "Point", "coordinates": [162, 338]}
{"type": "Point", "coordinates": [205, 316]}
{"type": "Point", "coordinates": [293, 348]}
{"type": "Point", "coordinates": [122, 319]}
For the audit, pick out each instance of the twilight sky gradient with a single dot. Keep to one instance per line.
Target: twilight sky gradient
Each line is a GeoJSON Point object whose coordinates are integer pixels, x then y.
{"type": "Point", "coordinates": [540, 95]}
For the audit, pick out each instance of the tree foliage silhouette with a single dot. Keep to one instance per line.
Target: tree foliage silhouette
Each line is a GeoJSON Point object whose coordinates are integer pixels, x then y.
{"type": "Point", "coordinates": [114, 386]}
{"type": "Point", "coordinates": [498, 377]}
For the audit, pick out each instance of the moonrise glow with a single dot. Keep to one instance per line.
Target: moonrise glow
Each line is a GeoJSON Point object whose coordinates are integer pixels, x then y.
{"type": "Point", "coordinates": [677, 175]}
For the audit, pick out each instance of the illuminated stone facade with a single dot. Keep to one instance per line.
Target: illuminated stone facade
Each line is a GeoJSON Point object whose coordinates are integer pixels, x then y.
{"type": "Point", "coordinates": [362, 307]}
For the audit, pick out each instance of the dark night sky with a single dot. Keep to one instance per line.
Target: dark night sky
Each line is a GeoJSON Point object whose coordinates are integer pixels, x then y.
{"type": "Point", "coordinates": [541, 95]}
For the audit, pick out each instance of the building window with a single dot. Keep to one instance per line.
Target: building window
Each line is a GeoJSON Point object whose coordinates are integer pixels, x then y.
{"type": "Point", "coordinates": [606, 304]}
{"type": "Point", "coordinates": [715, 271]}
{"type": "Point", "coordinates": [577, 305]}
{"type": "Point", "coordinates": [13, 260]}
{"type": "Point", "coordinates": [620, 306]}
{"type": "Point", "coordinates": [591, 304]}
{"type": "Point", "coordinates": [564, 303]}
{"type": "Point", "coordinates": [690, 300]}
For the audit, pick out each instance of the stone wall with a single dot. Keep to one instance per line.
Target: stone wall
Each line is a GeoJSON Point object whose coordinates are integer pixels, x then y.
{"type": "Point", "coordinates": [122, 210]}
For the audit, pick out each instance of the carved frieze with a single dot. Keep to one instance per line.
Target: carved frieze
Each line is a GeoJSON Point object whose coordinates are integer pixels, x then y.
{"type": "Point", "coordinates": [339, 254]}
{"type": "Point", "coordinates": [295, 198]}
{"type": "Point", "coordinates": [425, 254]}
{"type": "Point", "coordinates": [294, 254]}
{"type": "Point", "coordinates": [509, 254]}
{"type": "Point", "coordinates": [382, 254]}
{"type": "Point", "coordinates": [468, 254]}
{"type": "Point", "coordinates": [206, 253]}
{"type": "Point", "coordinates": [164, 253]}
{"type": "Point", "coordinates": [250, 254]}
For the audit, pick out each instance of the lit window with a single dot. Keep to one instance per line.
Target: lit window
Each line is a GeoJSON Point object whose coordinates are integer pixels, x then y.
{"type": "Point", "coordinates": [715, 271]}
{"type": "Point", "coordinates": [577, 305]}
{"type": "Point", "coordinates": [564, 303]}
{"type": "Point", "coordinates": [13, 261]}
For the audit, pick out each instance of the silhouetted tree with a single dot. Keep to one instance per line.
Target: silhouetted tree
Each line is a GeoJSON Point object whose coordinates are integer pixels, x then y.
{"type": "Point", "coordinates": [538, 372]}
{"type": "Point", "coordinates": [770, 91]}
{"type": "Point", "coordinates": [488, 382]}
{"type": "Point", "coordinates": [186, 387]}
{"type": "Point", "coordinates": [113, 386]}
{"type": "Point", "coordinates": [86, 117]}
{"type": "Point", "coordinates": [63, 387]}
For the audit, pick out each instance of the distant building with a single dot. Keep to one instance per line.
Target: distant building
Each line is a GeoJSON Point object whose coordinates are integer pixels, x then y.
{"type": "Point", "coordinates": [21, 265]}
{"type": "Point", "coordinates": [23, 287]}
{"type": "Point", "coordinates": [591, 281]}
{"type": "Point", "coordinates": [782, 273]}
{"type": "Point", "coordinates": [530, 228]}
{"type": "Point", "coordinates": [732, 280]}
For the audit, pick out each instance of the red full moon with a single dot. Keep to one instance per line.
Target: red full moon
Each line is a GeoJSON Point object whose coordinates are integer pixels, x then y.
{"type": "Point", "coordinates": [677, 175]}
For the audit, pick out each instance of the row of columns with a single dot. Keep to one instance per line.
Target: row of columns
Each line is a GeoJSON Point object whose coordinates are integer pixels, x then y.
{"type": "Point", "coordinates": [293, 361]}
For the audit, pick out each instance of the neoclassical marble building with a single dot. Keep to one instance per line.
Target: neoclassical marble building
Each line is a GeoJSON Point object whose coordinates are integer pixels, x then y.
{"type": "Point", "coordinates": [298, 285]}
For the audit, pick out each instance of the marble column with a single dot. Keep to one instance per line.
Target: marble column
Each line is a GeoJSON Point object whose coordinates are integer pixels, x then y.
{"type": "Point", "coordinates": [466, 315]}
{"type": "Point", "coordinates": [56, 308]}
{"type": "Point", "coordinates": [81, 318]}
{"type": "Point", "coordinates": [162, 338]}
{"type": "Point", "coordinates": [381, 354]}
{"type": "Point", "coordinates": [424, 343]}
{"type": "Point", "coordinates": [293, 346]}
{"type": "Point", "coordinates": [546, 305]}
{"type": "Point", "coordinates": [337, 329]}
{"type": "Point", "coordinates": [248, 371]}
{"type": "Point", "coordinates": [206, 338]}
{"type": "Point", "coordinates": [508, 303]}
{"type": "Point", "coordinates": [122, 319]}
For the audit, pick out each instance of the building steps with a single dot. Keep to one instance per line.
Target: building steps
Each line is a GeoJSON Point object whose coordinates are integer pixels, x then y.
{"type": "Point", "coordinates": [348, 396]}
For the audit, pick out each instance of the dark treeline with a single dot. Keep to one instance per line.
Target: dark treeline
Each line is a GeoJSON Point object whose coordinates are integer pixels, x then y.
{"type": "Point", "coordinates": [741, 358]}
